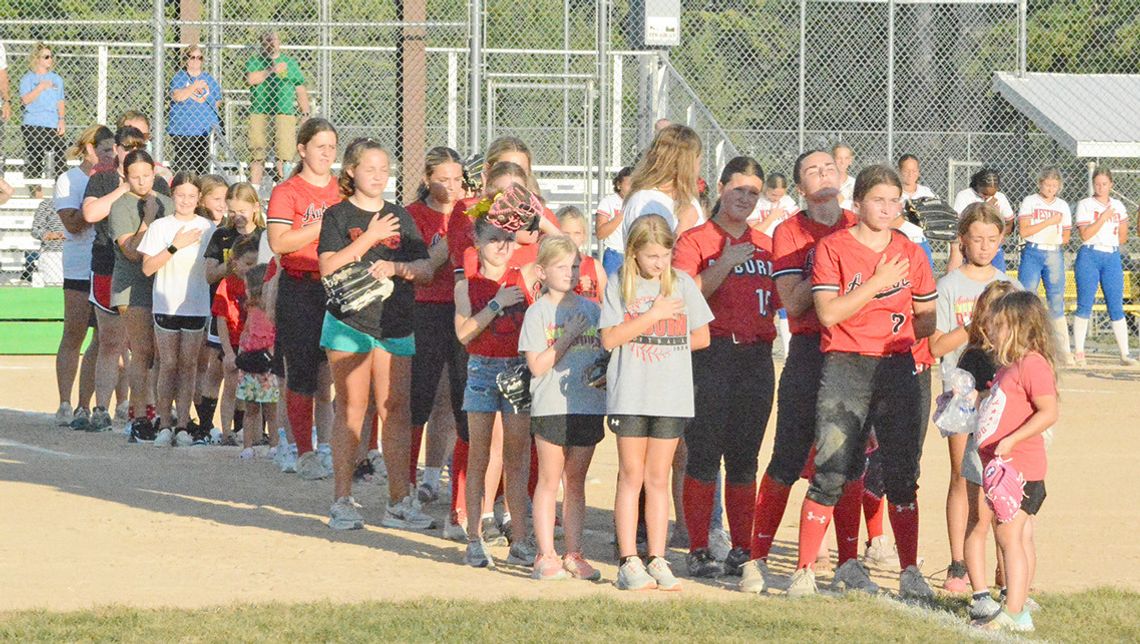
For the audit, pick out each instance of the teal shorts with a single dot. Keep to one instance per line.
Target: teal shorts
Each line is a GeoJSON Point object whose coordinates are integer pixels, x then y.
{"type": "Point", "coordinates": [338, 336]}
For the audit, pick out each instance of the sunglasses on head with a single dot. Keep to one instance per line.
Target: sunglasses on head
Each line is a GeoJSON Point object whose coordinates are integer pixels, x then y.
{"type": "Point", "coordinates": [195, 57]}
{"type": "Point", "coordinates": [46, 56]}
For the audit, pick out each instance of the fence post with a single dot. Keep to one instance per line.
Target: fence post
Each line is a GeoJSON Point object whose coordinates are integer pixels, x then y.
{"type": "Point", "coordinates": [1022, 36]}
{"type": "Point", "coordinates": [325, 60]}
{"type": "Point", "coordinates": [803, 68]}
{"type": "Point", "coordinates": [157, 127]}
{"type": "Point", "coordinates": [891, 80]}
{"type": "Point", "coordinates": [475, 103]}
{"type": "Point", "coordinates": [101, 86]}
{"type": "Point", "coordinates": [604, 88]}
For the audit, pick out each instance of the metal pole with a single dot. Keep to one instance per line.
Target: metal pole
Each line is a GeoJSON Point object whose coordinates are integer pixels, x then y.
{"type": "Point", "coordinates": [603, 93]}
{"type": "Point", "coordinates": [566, 92]}
{"type": "Point", "coordinates": [159, 84]}
{"type": "Point", "coordinates": [475, 104]}
{"type": "Point", "coordinates": [891, 80]}
{"type": "Point", "coordinates": [803, 67]}
{"type": "Point", "coordinates": [325, 60]}
{"type": "Point", "coordinates": [1022, 36]}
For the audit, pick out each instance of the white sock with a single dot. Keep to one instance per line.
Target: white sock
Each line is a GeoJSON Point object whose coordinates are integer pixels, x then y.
{"type": "Point", "coordinates": [431, 476]}
{"type": "Point", "coordinates": [784, 332]}
{"type": "Point", "coordinates": [1061, 330]}
{"type": "Point", "coordinates": [1080, 331]}
{"type": "Point", "coordinates": [1120, 330]}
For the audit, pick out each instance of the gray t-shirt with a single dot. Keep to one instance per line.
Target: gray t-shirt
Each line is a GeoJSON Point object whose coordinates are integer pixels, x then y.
{"type": "Point", "coordinates": [129, 286]}
{"type": "Point", "coordinates": [563, 389]}
{"type": "Point", "coordinates": [955, 307]}
{"type": "Point", "coordinates": [652, 375]}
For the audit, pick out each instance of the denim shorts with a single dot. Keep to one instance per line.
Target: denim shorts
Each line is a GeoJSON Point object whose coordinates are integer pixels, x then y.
{"type": "Point", "coordinates": [338, 336]}
{"type": "Point", "coordinates": [482, 392]}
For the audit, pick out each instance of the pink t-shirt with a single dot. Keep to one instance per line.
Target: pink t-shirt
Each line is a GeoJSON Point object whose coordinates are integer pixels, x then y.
{"type": "Point", "coordinates": [259, 332]}
{"type": "Point", "coordinates": [1009, 405]}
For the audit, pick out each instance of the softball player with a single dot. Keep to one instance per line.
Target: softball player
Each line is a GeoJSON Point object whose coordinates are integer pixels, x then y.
{"type": "Point", "coordinates": [1045, 223]}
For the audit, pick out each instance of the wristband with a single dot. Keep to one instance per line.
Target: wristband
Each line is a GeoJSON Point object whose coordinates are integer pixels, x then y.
{"type": "Point", "coordinates": [172, 249]}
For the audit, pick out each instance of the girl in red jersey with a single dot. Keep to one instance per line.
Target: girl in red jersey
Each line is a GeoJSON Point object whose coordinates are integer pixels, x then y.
{"type": "Point", "coordinates": [370, 351]}
{"type": "Point", "coordinates": [733, 378]}
{"type": "Point", "coordinates": [490, 306]}
{"type": "Point", "coordinates": [294, 226]}
{"type": "Point", "coordinates": [439, 367]}
{"type": "Point", "coordinates": [1022, 404]}
{"type": "Point", "coordinates": [592, 277]}
{"type": "Point", "coordinates": [874, 294]}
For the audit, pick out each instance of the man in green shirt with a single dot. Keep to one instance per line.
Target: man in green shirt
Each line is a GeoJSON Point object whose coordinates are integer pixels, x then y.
{"type": "Point", "coordinates": [277, 89]}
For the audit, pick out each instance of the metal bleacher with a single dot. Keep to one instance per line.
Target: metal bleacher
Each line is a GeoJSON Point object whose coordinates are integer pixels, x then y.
{"type": "Point", "coordinates": [16, 224]}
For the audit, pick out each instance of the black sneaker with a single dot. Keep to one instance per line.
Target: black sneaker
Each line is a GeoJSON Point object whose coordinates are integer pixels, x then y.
{"type": "Point", "coordinates": [702, 564]}
{"type": "Point", "coordinates": [734, 562]}
{"type": "Point", "coordinates": [80, 420]}
{"type": "Point", "coordinates": [364, 471]}
{"type": "Point", "coordinates": [491, 534]}
{"type": "Point", "coordinates": [200, 435]}
{"type": "Point", "coordinates": [143, 430]}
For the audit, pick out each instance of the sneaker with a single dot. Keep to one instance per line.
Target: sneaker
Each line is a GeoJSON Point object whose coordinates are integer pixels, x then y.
{"type": "Point", "coordinates": [427, 493]}
{"type": "Point", "coordinates": [81, 420]}
{"type": "Point", "coordinates": [1127, 361]}
{"type": "Point", "coordinates": [984, 608]}
{"type": "Point", "coordinates": [579, 568]}
{"type": "Point", "coordinates": [679, 539]}
{"type": "Point", "coordinates": [324, 452]}
{"type": "Point", "coordinates": [852, 575]}
{"type": "Point", "coordinates": [64, 414]}
{"type": "Point", "coordinates": [633, 576]}
{"type": "Point", "coordinates": [881, 554]}
{"type": "Point", "coordinates": [658, 568]}
{"type": "Point", "coordinates": [164, 438]}
{"type": "Point", "coordinates": [287, 459]}
{"type": "Point", "coordinates": [182, 438]}
{"type": "Point", "coordinates": [246, 454]}
{"type": "Point", "coordinates": [802, 583]}
{"type": "Point", "coordinates": [701, 564]}
{"type": "Point", "coordinates": [1076, 359]}
{"type": "Point", "coordinates": [1003, 621]}
{"type": "Point", "coordinates": [957, 579]}
{"type": "Point", "coordinates": [754, 577]}
{"type": "Point", "coordinates": [363, 472]}
{"type": "Point", "coordinates": [228, 439]}
{"type": "Point", "coordinates": [344, 515]}
{"type": "Point", "coordinates": [100, 420]}
{"type": "Point", "coordinates": [912, 585]}
{"type": "Point", "coordinates": [1030, 605]}
{"type": "Point", "coordinates": [377, 460]}
{"type": "Point", "coordinates": [216, 436]}
{"type": "Point", "coordinates": [505, 529]}
{"type": "Point", "coordinates": [454, 531]}
{"type": "Point", "coordinates": [491, 534]}
{"type": "Point", "coordinates": [719, 544]}
{"type": "Point", "coordinates": [406, 515]}
{"type": "Point", "coordinates": [734, 562]}
{"type": "Point", "coordinates": [121, 412]}
{"type": "Point", "coordinates": [199, 434]}
{"type": "Point", "coordinates": [477, 556]}
{"type": "Point", "coordinates": [141, 430]}
{"type": "Point", "coordinates": [522, 552]}
{"type": "Point", "coordinates": [310, 467]}
{"type": "Point", "coordinates": [549, 568]}
{"type": "Point", "coordinates": [1070, 361]}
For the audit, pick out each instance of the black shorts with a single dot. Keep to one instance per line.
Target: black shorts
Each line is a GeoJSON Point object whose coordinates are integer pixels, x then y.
{"type": "Point", "coordinates": [301, 305]}
{"type": "Point", "coordinates": [663, 427]}
{"type": "Point", "coordinates": [574, 430]}
{"type": "Point", "coordinates": [437, 348]}
{"type": "Point", "coordinates": [83, 286]}
{"type": "Point", "coordinates": [176, 323]}
{"type": "Point", "coordinates": [1034, 497]}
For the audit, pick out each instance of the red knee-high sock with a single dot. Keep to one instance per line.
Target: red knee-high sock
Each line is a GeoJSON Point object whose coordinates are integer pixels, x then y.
{"type": "Point", "coordinates": [374, 443]}
{"type": "Point", "coordinates": [739, 504]}
{"type": "Point", "coordinates": [417, 438]}
{"type": "Point", "coordinates": [873, 510]}
{"type": "Point", "coordinates": [847, 514]}
{"type": "Point", "coordinates": [459, 480]}
{"type": "Point", "coordinates": [904, 522]}
{"type": "Point", "coordinates": [300, 410]}
{"type": "Point", "coordinates": [771, 501]}
{"type": "Point", "coordinates": [697, 500]}
{"type": "Point", "coordinates": [814, 518]}
{"type": "Point", "coordinates": [532, 481]}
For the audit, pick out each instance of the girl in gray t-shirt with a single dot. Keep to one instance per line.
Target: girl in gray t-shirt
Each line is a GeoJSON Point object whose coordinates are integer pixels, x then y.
{"type": "Point", "coordinates": [653, 317]}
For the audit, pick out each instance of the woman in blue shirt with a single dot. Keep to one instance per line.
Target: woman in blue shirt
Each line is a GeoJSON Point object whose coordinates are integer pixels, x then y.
{"type": "Point", "coordinates": [41, 92]}
{"type": "Point", "coordinates": [195, 99]}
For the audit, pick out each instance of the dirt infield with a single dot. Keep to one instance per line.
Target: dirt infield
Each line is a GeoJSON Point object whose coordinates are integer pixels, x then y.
{"type": "Point", "coordinates": [90, 520]}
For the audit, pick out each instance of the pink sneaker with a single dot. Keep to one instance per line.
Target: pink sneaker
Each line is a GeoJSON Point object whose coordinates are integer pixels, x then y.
{"type": "Point", "coordinates": [548, 568]}
{"type": "Point", "coordinates": [957, 579]}
{"type": "Point", "coordinates": [579, 568]}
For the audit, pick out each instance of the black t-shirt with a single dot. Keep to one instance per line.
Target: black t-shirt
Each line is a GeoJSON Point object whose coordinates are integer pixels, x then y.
{"type": "Point", "coordinates": [344, 222]}
{"type": "Point", "coordinates": [223, 240]}
{"type": "Point", "coordinates": [980, 365]}
{"type": "Point", "coordinates": [100, 185]}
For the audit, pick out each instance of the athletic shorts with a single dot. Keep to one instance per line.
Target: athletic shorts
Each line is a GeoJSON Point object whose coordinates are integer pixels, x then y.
{"type": "Point", "coordinates": [663, 427]}
{"type": "Point", "coordinates": [83, 286]}
{"type": "Point", "coordinates": [1034, 497]}
{"type": "Point", "coordinates": [100, 294]}
{"type": "Point", "coordinates": [176, 323]}
{"type": "Point", "coordinates": [482, 392]}
{"type": "Point", "coordinates": [338, 336]}
{"type": "Point", "coordinates": [212, 339]}
{"type": "Point", "coordinates": [572, 430]}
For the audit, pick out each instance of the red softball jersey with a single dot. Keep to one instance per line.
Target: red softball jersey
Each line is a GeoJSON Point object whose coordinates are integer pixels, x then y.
{"type": "Point", "coordinates": [793, 253]}
{"type": "Point", "coordinates": [885, 325]}
{"type": "Point", "coordinates": [432, 225]}
{"type": "Point", "coordinates": [299, 204]}
{"type": "Point", "coordinates": [746, 302]}
{"type": "Point", "coordinates": [500, 339]}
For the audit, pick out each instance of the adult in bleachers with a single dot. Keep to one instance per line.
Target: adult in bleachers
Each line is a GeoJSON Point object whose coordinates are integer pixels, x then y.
{"type": "Point", "coordinates": [42, 94]}
{"type": "Point", "coordinates": [909, 173]}
{"type": "Point", "coordinates": [277, 90]}
{"type": "Point", "coordinates": [195, 99]}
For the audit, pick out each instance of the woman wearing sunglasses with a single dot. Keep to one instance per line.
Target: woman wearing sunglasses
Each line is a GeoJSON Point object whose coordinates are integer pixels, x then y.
{"type": "Point", "coordinates": [41, 93]}
{"type": "Point", "coordinates": [195, 101]}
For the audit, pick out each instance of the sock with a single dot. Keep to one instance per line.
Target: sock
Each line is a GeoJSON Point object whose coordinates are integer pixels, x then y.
{"type": "Point", "coordinates": [622, 560]}
{"type": "Point", "coordinates": [767, 513]}
{"type": "Point", "coordinates": [300, 410]}
{"type": "Point", "coordinates": [206, 407]}
{"type": "Point", "coordinates": [904, 521]}
{"type": "Point", "coordinates": [814, 518]}
{"type": "Point", "coordinates": [130, 413]}
{"type": "Point", "coordinates": [873, 507]}
{"type": "Point", "coordinates": [1120, 330]}
{"type": "Point", "coordinates": [532, 481]}
{"type": "Point", "coordinates": [847, 515]}
{"type": "Point", "coordinates": [1061, 330]}
{"type": "Point", "coordinates": [739, 505]}
{"type": "Point", "coordinates": [239, 420]}
{"type": "Point", "coordinates": [151, 413]}
{"type": "Point", "coordinates": [1081, 331]}
{"type": "Point", "coordinates": [459, 480]}
{"type": "Point", "coordinates": [981, 594]}
{"type": "Point", "coordinates": [697, 500]}
{"type": "Point", "coordinates": [431, 476]}
{"type": "Point", "coordinates": [417, 440]}
{"type": "Point", "coordinates": [374, 444]}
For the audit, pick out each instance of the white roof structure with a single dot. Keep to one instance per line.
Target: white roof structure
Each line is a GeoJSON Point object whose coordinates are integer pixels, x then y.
{"type": "Point", "coordinates": [1091, 115]}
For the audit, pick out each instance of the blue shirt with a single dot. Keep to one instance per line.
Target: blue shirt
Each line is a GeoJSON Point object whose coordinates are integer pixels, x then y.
{"type": "Point", "coordinates": [44, 111]}
{"type": "Point", "coordinates": [190, 117]}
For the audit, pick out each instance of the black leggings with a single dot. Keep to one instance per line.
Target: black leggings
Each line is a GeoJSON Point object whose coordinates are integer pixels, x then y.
{"type": "Point", "coordinates": [300, 315]}
{"type": "Point", "coordinates": [873, 479]}
{"type": "Point", "coordinates": [436, 347]}
{"type": "Point", "coordinates": [795, 409]}
{"type": "Point", "coordinates": [733, 386]}
{"type": "Point", "coordinates": [38, 141]}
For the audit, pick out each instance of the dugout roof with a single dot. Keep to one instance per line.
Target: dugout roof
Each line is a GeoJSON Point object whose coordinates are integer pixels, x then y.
{"type": "Point", "coordinates": [1091, 115]}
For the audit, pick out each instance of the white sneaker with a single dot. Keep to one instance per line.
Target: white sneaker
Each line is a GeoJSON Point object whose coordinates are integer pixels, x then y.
{"type": "Point", "coordinates": [380, 470]}
{"type": "Point", "coordinates": [324, 451]}
{"type": "Point", "coordinates": [912, 585]}
{"type": "Point", "coordinates": [64, 414]}
{"type": "Point", "coordinates": [287, 460]}
{"type": "Point", "coordinates": [719, 544]}
{"type": "Point", "coordinates": [633, 576]}
{"type": "Point", "coordinates": [183, 439]}
{"type": "Point", "coordinates": [310, 467]}
{"type": "Point", "coordinates": [853, 576]}
{"type": "Point", "coordinates": [344, 515]}
{"type": "Point", "coordinates": [803, 583]}
{"type": "Point", "coordinates": [659, 570]}
{"type": "Point", "coordinates": [121, 413]}
{"type": "Point", "coordinates": [246, 454]}
{"type": "Point", "coordinates": [215, 436]}
{"type": "Point", "coordinates": [406, 515]}
{"type": "Point", "coordinates": [427, 493]}
{"type": "Point", "coordinates": [754, 577]}
{"type": "Point", "coordinates": [454, 532]}
{"type": "Point", "coordinates": [165, 438]}
{"type": "Point", "coordinates": [881, 554]}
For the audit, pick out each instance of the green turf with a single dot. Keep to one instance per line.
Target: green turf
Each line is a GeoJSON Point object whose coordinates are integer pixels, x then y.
{"type": "Point", "coordinates": [26, 303]}
{"type": "Point", "coordinates": [1098, 615]}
